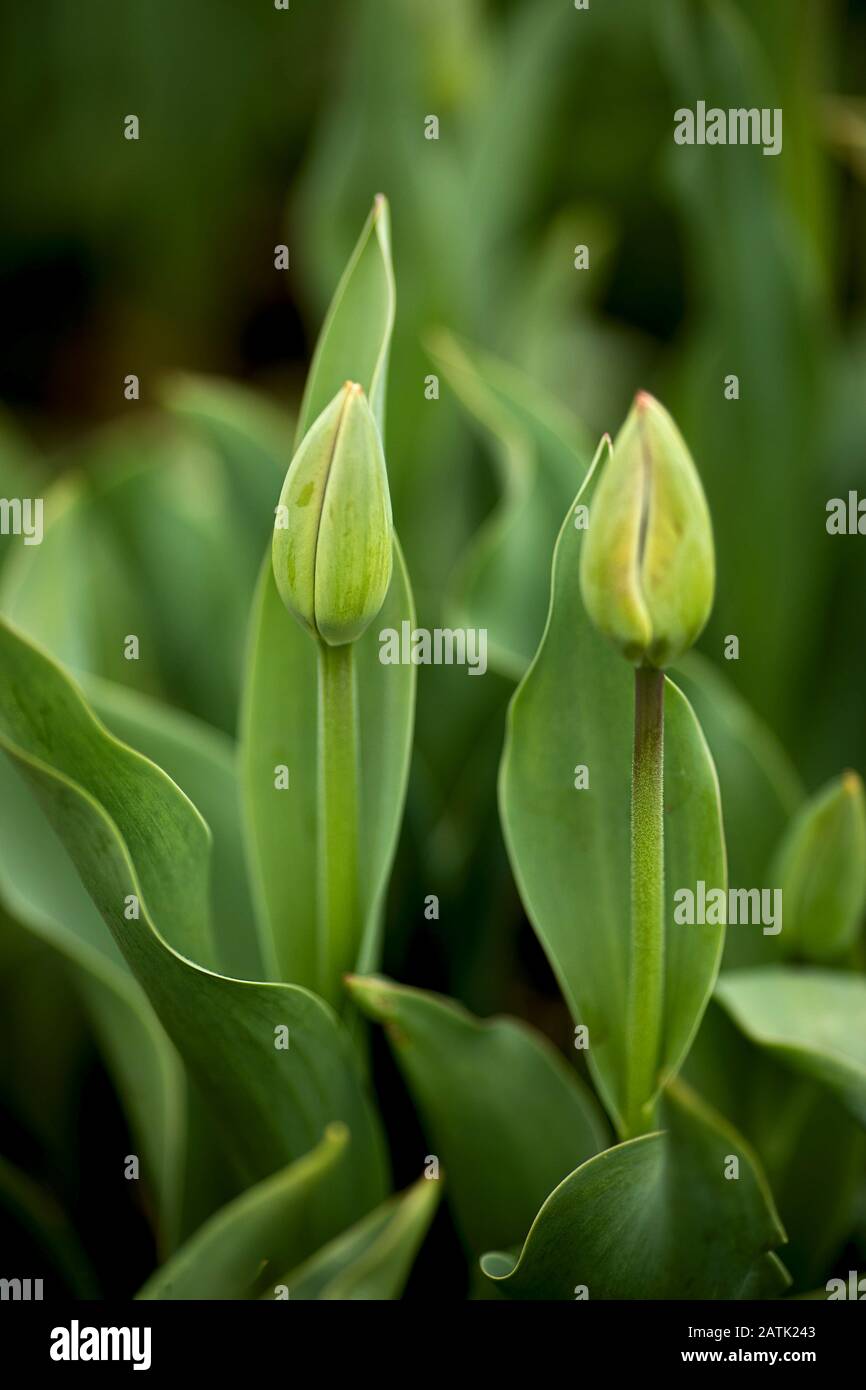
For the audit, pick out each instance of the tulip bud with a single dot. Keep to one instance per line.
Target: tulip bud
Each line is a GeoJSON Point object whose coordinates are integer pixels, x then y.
{"type": "Point", "coordinates": [647, 569]}
{"type": "Point", "coordinates": [333, 533]}
{"type": "Point", "coordinates": [821, 870]}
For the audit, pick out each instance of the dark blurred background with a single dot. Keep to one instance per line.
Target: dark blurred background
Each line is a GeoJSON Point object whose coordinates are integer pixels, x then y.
{"type": "Point", "coordinates": [261, 126]}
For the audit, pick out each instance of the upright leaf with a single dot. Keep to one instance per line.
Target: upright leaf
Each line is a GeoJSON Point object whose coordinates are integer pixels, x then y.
{"type": "Point", "coordinates": [280, 714]}
{"type": "Point", "coordinates": [356, 336]}
{"type": "Point", "coordinates": [569, 844]}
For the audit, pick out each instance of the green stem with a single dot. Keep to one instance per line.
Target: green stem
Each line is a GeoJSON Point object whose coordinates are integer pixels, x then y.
{"type": "Point", "coordinates": [646, 973]}
{"type": "Point", "coordinates": [339, 901]}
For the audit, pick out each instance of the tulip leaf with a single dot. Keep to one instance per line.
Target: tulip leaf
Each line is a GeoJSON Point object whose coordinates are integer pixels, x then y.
{"type": "Point", "coordinates": [797, 1128]}
{"type": "Point", "coordinates": [41, 888]}
{"type": "Point", "coordinates": [487, 1091]}
{"type": "Point", "coordinates": [136, 839]}
{"type": "Point", "coordinates": [569, 846]}
{"type": "Point", "coordinates": [236, 1254]}
{"type": "Point", "coordinates": [202, 761]}
{"type": "Point", "coordinates": [541, 453]}
{"type": "Point", "coordinates": [356, 336]}
{"type": "Point", "coordinates": [657, 1217]}
{"type": "Point", "coordinates": [813, 1021]}
{"type": "Point", "coordinates": [279, 728]}
{"type": "Point", "coordinates": [373, 1259]}
{"type": "Point", "coordinates": [153, 515]}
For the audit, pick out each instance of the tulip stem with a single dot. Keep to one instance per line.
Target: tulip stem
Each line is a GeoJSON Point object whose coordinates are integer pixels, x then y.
{"type": "Point", "coordinates": [339, 898]}
{"type": "Point", "coordinates": [646, 971]}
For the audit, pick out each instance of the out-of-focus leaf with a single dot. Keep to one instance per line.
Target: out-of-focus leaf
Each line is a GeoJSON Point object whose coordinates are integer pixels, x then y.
{"type": "Point", "coordinates": [202, 761]}
{"type": "Point", "coordinates": [133, 834]}
{"type": "Point", "coordinates": [280, 715]}
{"type": "Point", "coordinates": [487, 1093]}
{"type": "Point", "coordinates": [252, 438]}
{"type": "Point", "coordinates": [813, 1021]}
{"type": "Point", "coordinates": [760, 791]}
{"type": "Point", "coordinates": [236, 1254]}
{"type": "Point", "coordinates": [372, 1260]}
{"type": "Point", "coordinates": [570, 847]}
{"type": "Point", "coordinates": [654, 1218]}
{"type": "Point", "coordinates": [773, 438]}
{"type": "Point", "coordinates": [820, 870]}
{"type": "Point", "coordinates": [142, 541]}
{"type": "Point", "coordinates": [73, 595]}
{"type": "Point", "coordinates": [542, 452]}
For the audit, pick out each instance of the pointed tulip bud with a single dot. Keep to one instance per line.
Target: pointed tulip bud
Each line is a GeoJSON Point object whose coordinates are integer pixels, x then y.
{"type": "Point", "coordinates": [821, 870]}
{"type": "Point", "coordinates": [647, 569]}
{"type": "Point", "coordinates": [333, 532]}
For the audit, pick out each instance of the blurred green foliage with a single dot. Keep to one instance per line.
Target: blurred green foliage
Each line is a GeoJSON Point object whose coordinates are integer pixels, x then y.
{"type": "Point", "coordinates": [260, 127]}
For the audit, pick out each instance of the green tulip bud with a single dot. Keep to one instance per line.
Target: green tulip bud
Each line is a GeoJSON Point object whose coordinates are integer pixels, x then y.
{"type": "Point", "coordinates": [332, 549]}
{"type": "Point", "coordinates": [647, 569]}
{"type": "Point", "coordinates": [821, 870]}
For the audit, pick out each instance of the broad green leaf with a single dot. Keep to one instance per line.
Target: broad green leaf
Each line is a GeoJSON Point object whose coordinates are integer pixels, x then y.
{"type": "Point", "coordinates": [40, 887]}
{"type": "Point", "coordinates": [202, 761]}
{"type": "Point", "coordinates": [356, 336]}
{"type": "Point", "coordinates": [373, 1259]}
{"type": "Point", "coordinates": [541, 453]}
{"type": "Point", "coordinates": [654, 1218]}
{"type": "Point", "coordinates": [487, 1093]}
{"type": "Point", "coordinates": [133, 834]}
{"type": "Point", "coordinates": [569, 847]}
{"type": "Point", "coordinates": [281, 702]}
{"type": "Point", "coordinates": [236, 1254]}
{"type": "Point", "coordinates": [760, 791]}
{"type": "Point", "coordinates": [797, 1128]}
{"type": "Point", "coordinates": [813, 1021]}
